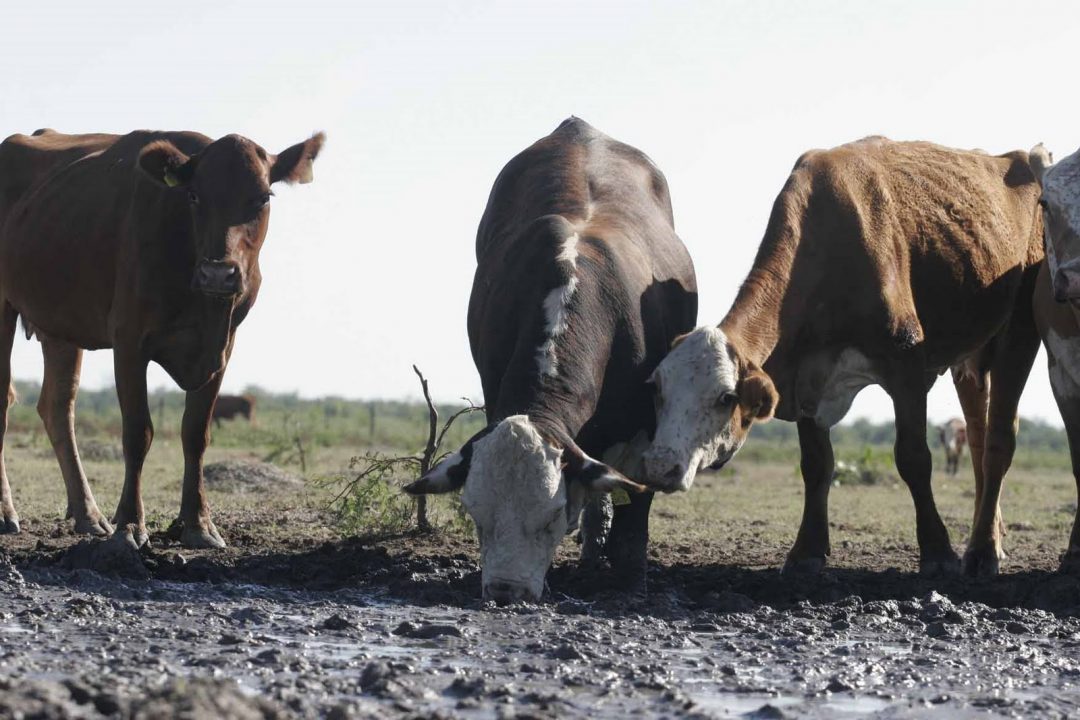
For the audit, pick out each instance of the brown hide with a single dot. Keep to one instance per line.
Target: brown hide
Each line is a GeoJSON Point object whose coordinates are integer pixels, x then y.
{"type": "Point", "coordinates": [147, 243]}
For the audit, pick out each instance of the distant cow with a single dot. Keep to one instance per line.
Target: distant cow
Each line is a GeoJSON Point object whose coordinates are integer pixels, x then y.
{"type": "Point", "coordinates": [953, 436]}
{"type": "Point", "coordinates": [581, 284]}
{"type": "Point", "coordinates": [883, 263]}
{"type": "Point", "coordinates": [229, 406]}
{"type": "Point", "coordinates": [1057, 304]}
{"type": "Point", "coordinates": [146, 243]}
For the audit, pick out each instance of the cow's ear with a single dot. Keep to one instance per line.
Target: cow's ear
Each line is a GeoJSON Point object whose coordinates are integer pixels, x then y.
{"type": "Point", "coordinates": [1040, 160]}
{"type": "Point", "coordinates": [165, 164]}
{"type": "Point", "coordinates": [593, 474]}
{"type": "Point", "coordinates": [295, 164]}
{"type": "Point", "coordinates": [758, 394]}
{"type": "Point", "coordinates": [447, 476]}
{"type": "Point", "coordinates": [451, 473]}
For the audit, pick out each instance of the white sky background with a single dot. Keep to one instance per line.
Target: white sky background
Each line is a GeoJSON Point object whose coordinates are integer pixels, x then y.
{"type": "Point", "coordinates": [368, 270]}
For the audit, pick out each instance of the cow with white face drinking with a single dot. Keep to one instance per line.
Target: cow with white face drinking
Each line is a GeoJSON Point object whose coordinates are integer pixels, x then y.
{"type": "Point", "coordinates": [581, 286]}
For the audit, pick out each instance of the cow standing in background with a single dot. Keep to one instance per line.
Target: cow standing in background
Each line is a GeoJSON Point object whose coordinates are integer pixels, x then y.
{"type": "Point", "coordinates": [954, 439]}
{"type": "Point", "coordinates": [883, 263]}
{"type": "Point", "coordinates": [581, 285]}
{"type": "Point", "coordinates": [147, 243]}
{"type": "Point", "coordinates": [229, 406]}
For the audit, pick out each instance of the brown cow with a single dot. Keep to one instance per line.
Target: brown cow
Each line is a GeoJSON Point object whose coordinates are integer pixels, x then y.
{"type": "Point", "coordinates": [883, 263]}
{"type": "Point", "coordinates": [953, 436]}
{"type": "Point", "coordinates": [229, 406]}
{"type": "Point", "coordinates": [146, 243]}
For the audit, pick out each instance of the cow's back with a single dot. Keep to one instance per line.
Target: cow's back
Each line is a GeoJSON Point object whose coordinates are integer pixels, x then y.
{"type": "Point", "coordinates": [927, 242]}
{"type": "Point", "coordinates": [28, 160]}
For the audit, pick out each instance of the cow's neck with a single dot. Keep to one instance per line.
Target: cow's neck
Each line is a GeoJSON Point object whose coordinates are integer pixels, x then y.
{"type": "Point", "coordinates": [752, 325]}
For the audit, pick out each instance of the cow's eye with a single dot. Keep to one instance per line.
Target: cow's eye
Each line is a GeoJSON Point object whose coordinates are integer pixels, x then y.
{"type": "Point", "coordinates": [261, 200]}
{"type": "Point", "coordinates": [726, 400]}
{"type": "Point", "coordinates": [193, 197]}
{"type": "Point", "coordinates": [1042, 203]}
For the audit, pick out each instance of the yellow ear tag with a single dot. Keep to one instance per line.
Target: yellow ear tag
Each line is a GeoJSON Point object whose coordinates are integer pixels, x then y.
{"type": "Point", "coordinates": [171, 180]}
{"type": "Point", "coordinates": [619, 496]}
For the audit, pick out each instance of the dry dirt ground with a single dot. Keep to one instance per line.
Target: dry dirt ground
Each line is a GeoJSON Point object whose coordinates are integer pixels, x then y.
{"type": "Point", "coordinates": [293, 620]}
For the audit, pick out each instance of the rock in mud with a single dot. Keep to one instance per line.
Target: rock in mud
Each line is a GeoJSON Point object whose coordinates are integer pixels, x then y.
{"type": "Point", "coordinates": [426, 631]}
{"type": "Point", "coordinates": [241, 476]}
{"type": "Point", "coordinates": [108, 557]}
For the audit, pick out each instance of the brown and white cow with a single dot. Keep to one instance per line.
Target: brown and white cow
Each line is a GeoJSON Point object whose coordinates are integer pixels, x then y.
{"type": "Point", "coordinates": [1057, 303]}
{"type": "Point", "coordinates": [581, 284]}
{"type": "Point", "coordinates": [228, 407]}
{"type": "Point", "coordinates": [953, 435]}
{"type": "Point", "coordinates": [883, 263]}
{"type": "Point", "coordinates": [146, 243]}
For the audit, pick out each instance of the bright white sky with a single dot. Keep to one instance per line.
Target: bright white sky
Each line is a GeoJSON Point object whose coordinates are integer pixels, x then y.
{"type": "Point", "coordinates": [368, 270]}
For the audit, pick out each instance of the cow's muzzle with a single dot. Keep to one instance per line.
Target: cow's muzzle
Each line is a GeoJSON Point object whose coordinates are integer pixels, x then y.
{"type": "Point", "coordinates": [217, 278]}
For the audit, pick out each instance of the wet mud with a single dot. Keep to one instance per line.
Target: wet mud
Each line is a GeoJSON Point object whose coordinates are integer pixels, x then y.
{"type": "Point", "coordinates": [393, 627]}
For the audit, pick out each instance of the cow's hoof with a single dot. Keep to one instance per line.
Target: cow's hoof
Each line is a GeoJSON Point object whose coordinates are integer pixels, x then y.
{"type": "Point", "coordinates": [981, 562]}
{"type": "Point", "coordinates": [1070, 562]}
{"type": "Point", "coordinates": [130, 534]}
{"type": "Point", "coordinates": [9, 524]}
{"type": "Point", "coordinates": [200, 536]}
{"type": "Point", "coordinates": [803, 566]}
{"type": "Point", "coordinates": [93, 523]}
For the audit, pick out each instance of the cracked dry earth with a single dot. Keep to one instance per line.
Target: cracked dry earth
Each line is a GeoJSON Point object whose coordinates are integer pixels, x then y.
{"type": "Point", "coordinates": [392, 628]}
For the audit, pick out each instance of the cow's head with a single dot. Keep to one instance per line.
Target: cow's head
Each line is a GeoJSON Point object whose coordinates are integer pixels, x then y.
{"type": "Point", "coordinates": [706, 400]}
{"type": "Point", "coordinates": [1060, 204]}
{"type": "Point", "coordinates": [227, 188]}
{"type": "Point", "coordinates": [525, 491]}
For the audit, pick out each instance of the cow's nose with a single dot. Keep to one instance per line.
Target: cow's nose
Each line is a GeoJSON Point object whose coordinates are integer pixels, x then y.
{"type": "Point", "coordinates": [674, 474]}
{"type": "Point", "coordinates": [218, 277]}
{"type": "Point", "coordinates": [504, 592]}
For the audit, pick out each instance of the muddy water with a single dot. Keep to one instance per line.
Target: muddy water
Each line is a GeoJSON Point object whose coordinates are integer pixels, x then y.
{"type": "Point", "coordinates": [78, 643]}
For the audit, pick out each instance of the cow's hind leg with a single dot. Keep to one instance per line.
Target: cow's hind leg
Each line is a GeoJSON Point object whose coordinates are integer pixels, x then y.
{"type": "Point", "coordinates": [1008, 375]}
{"type": "Point", "coordinates": [197, 530]}
{"type": "Point", "coordinates": [9, 519]}
{"type": "Point", "coordinates": [817, 464]}
{"type": "Point", "coordinates": [56, 406]}
{"type": "Point", "coordinates": [914, 462]}
{"type": "Point", "coordinates": [973, 391]}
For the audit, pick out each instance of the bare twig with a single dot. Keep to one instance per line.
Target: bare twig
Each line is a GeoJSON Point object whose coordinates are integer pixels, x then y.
{"type": "Point", "coordinates": [429, 451]}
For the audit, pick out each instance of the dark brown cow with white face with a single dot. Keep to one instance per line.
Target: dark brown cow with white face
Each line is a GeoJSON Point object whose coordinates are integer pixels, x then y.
{"type": "Point", "coordinates": [581, 284]}
{"type": "Point", "coordinates": [146, 243]}
{"type": "Point", "coordinates": [883, 263]}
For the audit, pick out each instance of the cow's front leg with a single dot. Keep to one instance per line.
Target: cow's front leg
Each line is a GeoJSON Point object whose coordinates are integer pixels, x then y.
{"type": "Point", "coordinates": [913, 462]}
{"type": "Point", "coordinates": [811, 548]}
{"type": "Point", "coordinates": [628, 543]}
{"type": "Point", "coordinates": [197, 530]}
{"type": "Point", "coordinates": [138, 433]}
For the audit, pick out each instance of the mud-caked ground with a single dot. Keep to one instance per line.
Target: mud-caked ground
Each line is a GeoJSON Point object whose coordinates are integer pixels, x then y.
{"type": "Point", "coordinates": [307, 623]}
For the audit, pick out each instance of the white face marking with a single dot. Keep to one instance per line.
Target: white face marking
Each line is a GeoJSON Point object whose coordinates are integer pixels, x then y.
{"type": "Point", "coordinates": [518, 499]}
{"type": "Point", "coordinates": [1064, 355]}
{"type": "Point", "coordinates": [557, 309]}
{"type": "Point", "coordinates": [692, 425]}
